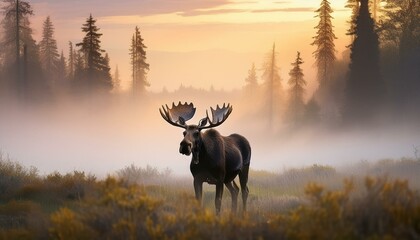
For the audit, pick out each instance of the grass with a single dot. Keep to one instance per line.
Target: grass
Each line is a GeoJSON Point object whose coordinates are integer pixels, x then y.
{"type": "Point", "coordinates": [365, 201]}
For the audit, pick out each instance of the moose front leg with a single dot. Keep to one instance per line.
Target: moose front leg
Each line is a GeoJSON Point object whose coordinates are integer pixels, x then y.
{"type": "Point", "coordinates": [234, 190]}
{"type": "Point", "coordinates": [198, 188]}
{"type": "Point", "coordinates": [219, 195]}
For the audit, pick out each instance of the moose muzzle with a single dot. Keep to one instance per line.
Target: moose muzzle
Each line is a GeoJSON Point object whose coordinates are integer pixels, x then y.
{"type": "Point", "coordinates": [185, 147]}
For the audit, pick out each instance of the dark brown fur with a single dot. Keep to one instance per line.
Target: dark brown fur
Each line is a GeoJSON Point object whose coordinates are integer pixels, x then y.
{"type": "Point", "coordinates": [218, 160]}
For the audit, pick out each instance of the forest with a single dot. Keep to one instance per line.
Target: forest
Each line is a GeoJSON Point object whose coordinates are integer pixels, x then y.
{"type": "Point", "coordinates": [84, 154]}
{"type": "Point", "coordinates": [377, 80]}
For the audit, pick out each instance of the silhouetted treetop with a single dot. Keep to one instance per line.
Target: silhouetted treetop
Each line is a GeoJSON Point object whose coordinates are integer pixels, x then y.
{"type": "Point", "coordinates": [324, 41]}
{"type": "Point", "coordinates": [96, 66]}
{"type": "Point", "coordinates": [297, 85]}
{"type": "Point", "coordinates": [138, 63]}
{"type": "Point", "coordinates": [365, 90]}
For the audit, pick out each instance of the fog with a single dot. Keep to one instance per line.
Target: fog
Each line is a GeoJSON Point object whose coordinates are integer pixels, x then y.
{"type": "Point", "coordinates": [101, 135]}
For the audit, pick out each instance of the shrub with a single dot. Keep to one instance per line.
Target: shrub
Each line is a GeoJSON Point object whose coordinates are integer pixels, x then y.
{"type": "Point", "coordinates": [120, 211]}
{"type": "Point", "coordinates": [55, 189]}
{"type": "Point", "coordinates": [138, 175]}
{"type": "Point", "coordinates": [387, 209]}
{"type": "Point", "coordinates": [65, 224]}
{"type": "Point", "coordinates": [20, 219]}
{"type": "Point", "coordinates": [13, 176]}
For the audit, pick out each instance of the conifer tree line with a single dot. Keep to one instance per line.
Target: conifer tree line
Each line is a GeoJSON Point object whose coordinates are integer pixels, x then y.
{"type": "Point", "coordinates": [378, 75]}
{"type": "Point", "coordinates": [357, 90]}
{"type": "Point", "coordinates": [30, 70]}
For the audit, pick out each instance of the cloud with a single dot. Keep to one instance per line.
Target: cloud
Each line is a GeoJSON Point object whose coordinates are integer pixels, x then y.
{"type": "Point", "coordinates": [211, 12]}
{"type": "Point", "coordinates": [301, 9]}
{"type": "Point", "coordinates": [104, 8]}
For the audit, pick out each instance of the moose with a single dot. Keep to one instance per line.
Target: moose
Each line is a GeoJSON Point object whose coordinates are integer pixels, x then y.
{"type": "Point", "coordinates": [216, 159]}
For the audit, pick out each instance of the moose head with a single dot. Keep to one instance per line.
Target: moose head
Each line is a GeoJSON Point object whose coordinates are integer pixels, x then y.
{"type": "Point", "coordinates": [179, 114]}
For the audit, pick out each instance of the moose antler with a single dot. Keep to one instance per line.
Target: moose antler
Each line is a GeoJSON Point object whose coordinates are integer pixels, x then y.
{"type": "Point", "coordinates": [219, 115]}
{"type": "Point", "coordinates": [177, 115]}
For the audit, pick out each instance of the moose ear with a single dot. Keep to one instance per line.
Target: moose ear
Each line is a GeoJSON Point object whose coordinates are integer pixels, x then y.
{"type": "Point", "coordinates": [202, 123]}
{"type": "Point", "coordinates": [181, 121]}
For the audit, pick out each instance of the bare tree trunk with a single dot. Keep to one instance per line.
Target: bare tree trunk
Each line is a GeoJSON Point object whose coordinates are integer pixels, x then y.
{"type": "Point", "coordinates": [25, 71]}
{"type": "Point", "coordinates": [270, 117]}
{"type": "Point", "coordinates": [18, 78]}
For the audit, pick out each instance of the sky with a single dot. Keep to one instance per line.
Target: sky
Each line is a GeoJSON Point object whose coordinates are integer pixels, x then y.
{"type": "Point", "coordinates": [199, 43]}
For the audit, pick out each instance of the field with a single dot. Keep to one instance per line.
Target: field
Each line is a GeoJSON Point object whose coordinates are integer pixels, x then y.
{"type": "Point", "coordinates": [378, 200]}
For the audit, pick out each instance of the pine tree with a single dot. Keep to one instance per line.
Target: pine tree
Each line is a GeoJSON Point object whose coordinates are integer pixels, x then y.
{"type": "Point", "coordinates": [61, 68]}
{"type": "Point", "coordinates": [400, 26]}
{"type": "Point", "coordinates": [297, 90]}
{"type": "Point", "coordinates": [116, 79]}
{"type": "Point", "coordinates": [354, 5]}
{"type": "Point", "coordinates": [15, 23]}
{"type": "Point", "coordinates": [312, 111]}
{"type": "Point", "coordinates": [138, 63]}
{"type": "Point", "coordinates": [96, 68]}
{"type": "Point", "coordinates": [251, 81]}
{"type": "Point", "coordinates": [71, 61]}
{"type": "Point", "coordinates": [365, 90]}
{"type": "Point", "coordinates": [106, 69]}
{"type": "Point", "coordinates": [19, 50]}
{"type": "Point", "coordinates": [272, 82]}
{"type": "Point", "coordinates": [48, 50]}
{"type": "Point", "coordinates": [324, 41]}
{"type": "Point", "coordinates": [60, 74]}
{"type": "Point", "coordinates": [79, 65]}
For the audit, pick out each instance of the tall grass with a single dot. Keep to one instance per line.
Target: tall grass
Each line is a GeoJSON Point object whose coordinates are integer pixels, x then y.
{"type": "Point", "coordinates": [368, 200]}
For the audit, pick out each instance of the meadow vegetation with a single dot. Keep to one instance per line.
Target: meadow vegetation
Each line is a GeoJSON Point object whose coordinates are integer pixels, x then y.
{"type": "Point", "coordinates": [378, 200]}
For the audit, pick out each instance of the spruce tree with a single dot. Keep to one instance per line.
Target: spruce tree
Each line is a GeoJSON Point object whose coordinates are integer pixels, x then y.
{"type": "Point", "coordinates": [365, 90]}
{"type": "Point", "coordinates": [272, 82]}
{"type": "Point", "coordinates": [48, 50]}
{"type": "Point", "coordinates": [79, 66]}
{"type": "Point", "coordinates": [296, 91]}
{"type": "Point", "coordinates": [61, 68]}
{"type": "Point", "coordinates": [15, 21]}
{"type": "Point", "coordinates": [251, 81]}
{"type": "Point", "coordinates": [324, 41]}
{"type": "Point", "coordinates": [96, 69]}
{"type": "Point", "coordinates": [106, 69]}
{"type": "Point", "coordinates": [15, 24]}
{"type": "Point", "coordinates": [138, 63]}
{"type": "Point", "coordinates": [400, 26]}
{"type": "Point", "coordinates": [116, 79]}
{"type": "Point", "coordinates": [19, 50]}
{"type": "Point", "coordinates": [354, 5]}
{"type": "Point", "coordinates": [71, 61]}
{"type": "Point", "coordinates": [312, 111]}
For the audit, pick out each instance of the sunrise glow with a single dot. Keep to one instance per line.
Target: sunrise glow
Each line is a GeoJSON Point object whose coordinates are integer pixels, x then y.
{"type": "Point", "coordinates": [182, 42]}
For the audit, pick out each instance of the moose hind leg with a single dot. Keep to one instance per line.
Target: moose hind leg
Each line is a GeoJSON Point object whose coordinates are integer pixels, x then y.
{"type": "Point", "coordinates": [218, 198]}
{"type": "Point", "coordinates": [234, 190]}
{"type": "Point", "coordinates": [243, 180]}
